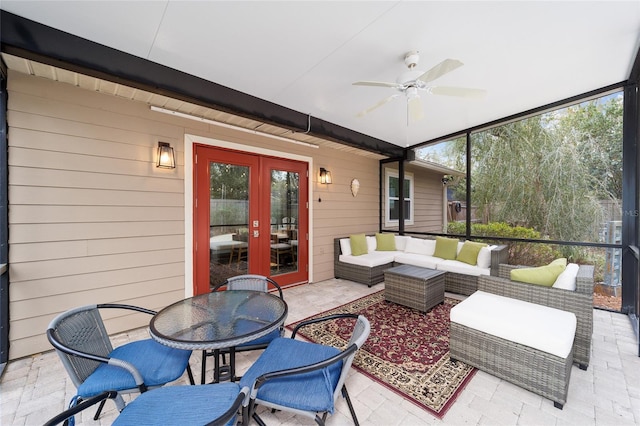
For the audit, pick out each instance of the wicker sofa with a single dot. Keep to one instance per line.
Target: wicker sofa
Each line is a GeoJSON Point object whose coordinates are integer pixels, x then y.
{"type": "Point", "coordinates": [579, 302]}
{"type": "Point", "coordinates": [455, 282]}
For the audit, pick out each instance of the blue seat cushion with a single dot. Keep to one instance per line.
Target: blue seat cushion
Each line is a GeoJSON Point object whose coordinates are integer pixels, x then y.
{"type": "Point", "coordinates": [158, 364]}
{"type": "Point", "coordinates": [180, 405]}
{"type": "Point", "coordinates": [310, 391]}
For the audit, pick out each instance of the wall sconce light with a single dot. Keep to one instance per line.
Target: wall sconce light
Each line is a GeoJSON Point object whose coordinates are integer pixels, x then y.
{"type": "Point", "coordinates": [446, 179]}
{"type": "Point", "coordinates": [325, 175]}
{"type": "Point", "coordinates": [166, 156]}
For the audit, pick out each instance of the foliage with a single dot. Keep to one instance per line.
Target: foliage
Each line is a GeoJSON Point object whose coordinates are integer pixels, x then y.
{"type": "Point", "coordinates": [596, 130]}
{"type": "Point", "coordinates": [548, 172]}
{"type": "Point", "coordinates": [520, 253]}
{"type": "Point", "coordinates": [524, 175]}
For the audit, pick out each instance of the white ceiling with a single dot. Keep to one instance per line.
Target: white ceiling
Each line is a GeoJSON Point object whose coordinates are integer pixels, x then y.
{"type": "Point", "coordinates": [305, 55]}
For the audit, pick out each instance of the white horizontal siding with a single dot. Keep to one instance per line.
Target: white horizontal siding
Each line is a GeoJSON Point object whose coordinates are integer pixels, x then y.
{"type": "Point", "coordinates": [92, 220]}
{"type": "Point", "coordinates": [29, 176]}
{"type": "Point", "coordinates": [70, 284]}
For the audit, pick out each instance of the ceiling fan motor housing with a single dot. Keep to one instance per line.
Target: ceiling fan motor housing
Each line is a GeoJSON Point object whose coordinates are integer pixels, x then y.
{"type": "Point", "coordinates": [410, 78]}
{"type": "Point", "coordinates": [411, 59]}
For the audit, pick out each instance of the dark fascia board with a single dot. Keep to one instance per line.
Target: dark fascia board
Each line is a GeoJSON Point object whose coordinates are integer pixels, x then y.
{"type": "Point", "coordinates": [31, 40]}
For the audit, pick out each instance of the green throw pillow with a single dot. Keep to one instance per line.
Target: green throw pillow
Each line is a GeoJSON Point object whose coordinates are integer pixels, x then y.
{"type": "Point", "coordinates": [469, 252]}
{"type": "Point", "coordinates": [446, 248]}
{"type": "Point", "coordinates": [560, 261]}
{"type": "Point", "coordinates": [385, 242]}
{"type": "Point", "coordinates": [542, 275]}
{"type": "Point", "coordinates": [358, 244]}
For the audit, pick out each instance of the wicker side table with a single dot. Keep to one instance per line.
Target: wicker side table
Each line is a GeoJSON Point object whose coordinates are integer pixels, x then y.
{"type": "Point", "coordinates": [413, 286]}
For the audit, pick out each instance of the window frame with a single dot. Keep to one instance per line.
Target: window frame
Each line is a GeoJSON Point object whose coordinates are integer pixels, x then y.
{"type": "Point", "coordinates": [408, 176]}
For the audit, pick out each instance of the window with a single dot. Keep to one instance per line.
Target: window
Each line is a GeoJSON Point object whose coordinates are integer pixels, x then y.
{"type": "Point", "coordinates": [392, 194]}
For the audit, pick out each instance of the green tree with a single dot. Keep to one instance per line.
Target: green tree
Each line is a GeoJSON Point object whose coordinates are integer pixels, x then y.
{"type": "Point", "coordinates": [524, 174]}
{"type": "Point", "coordinates": [596, 129]}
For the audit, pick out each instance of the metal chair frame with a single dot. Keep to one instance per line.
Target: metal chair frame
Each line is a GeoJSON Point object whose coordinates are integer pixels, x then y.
{"type": "Point", "coordinates": [239, 282]}
{"type": "Point", "coordinates": [360, 334]}
{"type": "Point", "coordinates": [83, 359]}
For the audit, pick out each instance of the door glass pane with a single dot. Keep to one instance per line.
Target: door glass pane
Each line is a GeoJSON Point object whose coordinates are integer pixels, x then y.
{"type": "Point", "coordinates": [228, 221]}
{"type": "Point", "coordinates": [284, 221]}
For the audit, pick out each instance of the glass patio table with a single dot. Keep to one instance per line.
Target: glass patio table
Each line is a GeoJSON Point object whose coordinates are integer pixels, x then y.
{"type": "Point", "coordinates": [218, 320]}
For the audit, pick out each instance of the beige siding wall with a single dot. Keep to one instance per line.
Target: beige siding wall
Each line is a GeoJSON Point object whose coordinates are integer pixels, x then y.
{"type": "Point", "coordinates": [92, 220]}
{"type": "Point", "coordinates": [429, 204]}
{"type": "Point", "coordinates": [428, 200]}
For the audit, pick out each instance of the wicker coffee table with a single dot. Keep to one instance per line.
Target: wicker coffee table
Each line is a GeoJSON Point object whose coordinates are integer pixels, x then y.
{"type": "Point", "coordinates": [413, 286]}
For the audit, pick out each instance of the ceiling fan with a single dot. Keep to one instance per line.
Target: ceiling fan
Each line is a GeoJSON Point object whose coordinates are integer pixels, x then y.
{"type": "Point", "coordinates": [411, 82]}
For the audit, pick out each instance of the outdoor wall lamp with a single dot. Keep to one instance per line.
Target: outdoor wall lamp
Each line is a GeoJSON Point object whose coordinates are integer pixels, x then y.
{"type": "Point", "coordinates": [166, 156]}
{"type": "Point", "coordinates": [325, 176]}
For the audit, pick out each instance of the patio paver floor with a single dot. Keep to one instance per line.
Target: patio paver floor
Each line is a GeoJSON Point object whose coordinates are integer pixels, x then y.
{"type": "Point", "coordinates": [35, 388]}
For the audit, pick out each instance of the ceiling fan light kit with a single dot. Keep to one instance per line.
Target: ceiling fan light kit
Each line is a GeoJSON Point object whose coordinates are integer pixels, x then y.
{"type": "Point", "coordinates": [413, 81]}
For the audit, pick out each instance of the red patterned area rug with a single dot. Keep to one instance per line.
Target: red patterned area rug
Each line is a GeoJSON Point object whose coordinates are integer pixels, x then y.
{"type": "Point", "coordinates": [407, 350]}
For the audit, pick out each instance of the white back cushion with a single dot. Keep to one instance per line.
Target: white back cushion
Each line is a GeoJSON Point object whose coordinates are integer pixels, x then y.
{"type": "Point", "coordinates": [371, 244]}
{"type": "Point", "coordinates": [484, 257]}
{"type": "Point", "coordinates": [431, 247]}
{"type": "Point", "coordinates": [345, 246]}
{"type": "Point", "coordinates": [415, 245]}
{"type": "Point", "coordinates": [567, 279]}
{"type": "Point", "coordinates": [401, 242]}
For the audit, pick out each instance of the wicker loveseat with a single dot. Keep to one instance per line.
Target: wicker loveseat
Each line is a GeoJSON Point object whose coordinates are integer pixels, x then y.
{"type": "Point", "coordinates": [461, 282]}
{"type": "Point", "coordinates": [579, 302]}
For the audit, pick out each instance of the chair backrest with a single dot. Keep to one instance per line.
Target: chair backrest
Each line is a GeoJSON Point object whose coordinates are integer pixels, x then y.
{"type": "Point", "coordinates": [361, 331]}
{"type": "Point", "coordinates": [250, 282]}
{"type": "Point", "coordinates": [80, 329]}
{"type": "Point", "coordinates": [151, 401]}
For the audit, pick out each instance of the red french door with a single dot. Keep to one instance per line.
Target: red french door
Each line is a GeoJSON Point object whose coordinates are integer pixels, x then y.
{"type": "Point", "coordinates": [250, 217]}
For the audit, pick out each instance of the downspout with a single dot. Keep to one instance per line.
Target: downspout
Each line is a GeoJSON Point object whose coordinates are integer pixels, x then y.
{"type": "Point", "coordinates": [4, 221]}
{"type": "Point", "coordinates": [445, 207]}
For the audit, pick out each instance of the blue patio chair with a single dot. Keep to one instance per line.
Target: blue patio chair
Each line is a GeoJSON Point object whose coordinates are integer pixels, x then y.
{"type": "Point", "coordinates": [242, 282]}
{"type": "Point", "coordinates": [216, 404]}
{"type": "Point", "coordinates": [81, 340]}
{"type": "Point", "coordinates": [302, 377]}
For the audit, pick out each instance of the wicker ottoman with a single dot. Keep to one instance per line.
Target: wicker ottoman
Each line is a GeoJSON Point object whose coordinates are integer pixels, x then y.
{"type": "Point", "coordinates": [524, 343]}
{"type": "Point", "coordinates": [415, 287]}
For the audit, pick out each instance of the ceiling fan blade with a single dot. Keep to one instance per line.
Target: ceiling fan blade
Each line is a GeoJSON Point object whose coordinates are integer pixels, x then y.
{"type": "Point", "coordinates": [441, 69]}
{"type": "Point", "coordinates": [376, 84]}
{"type": "Point", "coordinates": [414, 109]}
{"type": "Point", "coordinates": [379, 104]}
{"type": "Point", "coordinates": [463, 92]}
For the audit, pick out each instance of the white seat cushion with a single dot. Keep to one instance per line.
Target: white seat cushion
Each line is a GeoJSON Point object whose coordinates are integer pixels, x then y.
{"type": "Point", "coordinates": [462, 268]}
{"type": "Point", "coordinates": [376, 258]}
{"type": "Point", "coordinates": [540, 327]}
{"type": "Point", "coordinates": [415, 259]}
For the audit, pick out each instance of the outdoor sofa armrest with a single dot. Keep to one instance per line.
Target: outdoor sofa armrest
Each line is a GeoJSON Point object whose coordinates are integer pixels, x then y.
{"type": "Point", "coordinates": [499, 255]}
